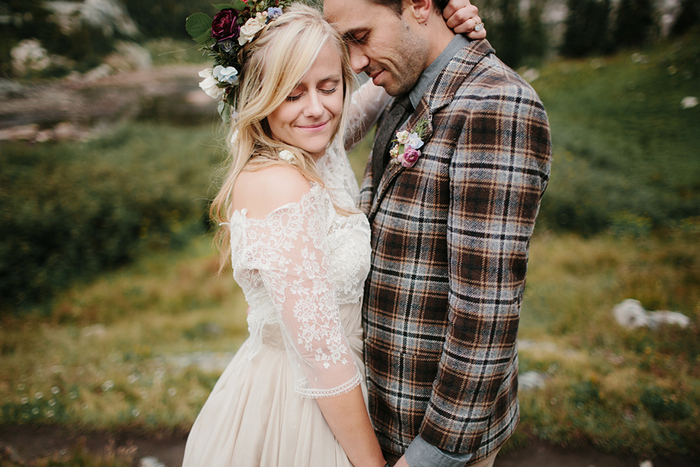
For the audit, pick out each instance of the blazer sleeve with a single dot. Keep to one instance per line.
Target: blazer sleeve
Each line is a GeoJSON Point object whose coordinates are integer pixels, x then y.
{"type": "Point", "coordinates": [498, 174]}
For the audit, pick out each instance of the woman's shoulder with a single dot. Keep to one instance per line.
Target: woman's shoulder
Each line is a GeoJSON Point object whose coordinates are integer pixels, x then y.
{"type": "Point", "coordinates": [262, 191]}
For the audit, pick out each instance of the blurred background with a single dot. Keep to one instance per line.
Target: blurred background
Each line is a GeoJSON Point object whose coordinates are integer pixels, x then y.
{"type": "Point", "coordinates": [114, 323]}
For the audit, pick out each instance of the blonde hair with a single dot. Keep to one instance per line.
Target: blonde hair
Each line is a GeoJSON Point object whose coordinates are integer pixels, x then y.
{"type": "Point", "coordinates": [274, 63]}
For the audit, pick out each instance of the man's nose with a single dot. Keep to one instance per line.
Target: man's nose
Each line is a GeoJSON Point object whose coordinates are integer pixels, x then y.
{"type": "Point", "coordinates": [358, 60]}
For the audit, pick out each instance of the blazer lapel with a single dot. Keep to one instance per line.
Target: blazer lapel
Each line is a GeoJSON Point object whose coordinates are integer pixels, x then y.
{"type": "Point", "coordinates": [394, 168]}
{"type": "Point", "coordinates": [438, 96]}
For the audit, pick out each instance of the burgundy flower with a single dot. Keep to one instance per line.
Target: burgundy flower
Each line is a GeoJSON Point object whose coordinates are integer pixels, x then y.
{"type": "Point", "coordinates": [225, 26]}
{"type": "Point", "coordinates": [409, 157]}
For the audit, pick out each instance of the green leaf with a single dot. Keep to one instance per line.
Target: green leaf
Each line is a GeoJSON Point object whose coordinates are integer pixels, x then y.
{"type": "Point", "coordinates": [198, 26]}
{"type": "Point", "coordinates": [224, 111]}
{"type": "Point", "coordinates": [240, 5]}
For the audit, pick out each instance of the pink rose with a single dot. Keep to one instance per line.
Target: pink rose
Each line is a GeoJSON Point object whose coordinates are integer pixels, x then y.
{"type": "Point", "coordinates": [409, 157]}
{"type": "Point", "coordinates": [225, 25]}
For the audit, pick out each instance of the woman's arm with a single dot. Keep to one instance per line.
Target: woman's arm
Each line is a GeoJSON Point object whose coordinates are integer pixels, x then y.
{"type": "Point", "coordinates": [347, 416]}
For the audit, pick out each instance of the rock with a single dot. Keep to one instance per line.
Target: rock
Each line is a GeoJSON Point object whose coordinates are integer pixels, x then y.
{"type": "Point", "coordinates": [98, 72]}
{"type": "Point", "coordinates": [668, 317]}
{"type": "Point", "coordinates": [151, 462]}
{"type": "Point", "coordinates": [23, 132]}
{"type": "Point", "coordinates": [531, 380]}
{"type": "Point", "coordinates": [9, 454]}
{"type": "Point", "coordinates": [630, 314]}
{"type": "Point", "coordinates": [97, 330]}
{"type": "Point", "coordinates": [128, 57]}
{"type": "Point", "coordinates": [65, 131]}
{"type": "Point", "coordinates": [688, 102]}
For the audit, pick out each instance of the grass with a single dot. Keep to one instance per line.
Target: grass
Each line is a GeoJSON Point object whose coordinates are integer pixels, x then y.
{"type": "Point", "coordinates": [625, 391]}
{"type": "Point", "coordinates": [108, 355]}
{"type": "Point", "coordinates": [625, 150]}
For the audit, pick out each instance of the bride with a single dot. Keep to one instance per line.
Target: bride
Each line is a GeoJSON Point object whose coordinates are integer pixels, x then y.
{"type": "Point", "coordinates": [294, 393]}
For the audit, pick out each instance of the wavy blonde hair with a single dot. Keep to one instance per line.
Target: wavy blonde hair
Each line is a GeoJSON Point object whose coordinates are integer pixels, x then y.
{"type": "Point", "coordinates": [274, 63]}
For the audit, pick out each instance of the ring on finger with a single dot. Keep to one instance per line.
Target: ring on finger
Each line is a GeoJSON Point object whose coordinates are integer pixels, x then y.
{"type": "Point", "coordinates": [478, 27]}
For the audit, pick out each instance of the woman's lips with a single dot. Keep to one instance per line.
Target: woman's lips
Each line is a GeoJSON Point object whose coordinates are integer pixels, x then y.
{"type": "Point", "coordinates": [314, 127]}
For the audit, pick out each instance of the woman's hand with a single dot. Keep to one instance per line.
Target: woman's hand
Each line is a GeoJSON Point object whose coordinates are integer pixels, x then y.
{"type": "Point", "coordinates": [463, 18]}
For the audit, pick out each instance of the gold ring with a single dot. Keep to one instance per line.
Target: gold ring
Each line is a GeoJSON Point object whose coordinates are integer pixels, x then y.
{"type": "Point", "coordinates": [478, 27]}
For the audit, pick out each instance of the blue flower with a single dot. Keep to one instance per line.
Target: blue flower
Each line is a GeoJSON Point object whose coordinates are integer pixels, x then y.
{"type": "Point", "coordinates": [273, 13]}
{"type": "Point", "coordinates": [226, 74]}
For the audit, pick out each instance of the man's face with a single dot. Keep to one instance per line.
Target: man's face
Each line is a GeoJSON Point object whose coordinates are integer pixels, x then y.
{"type": "Point", "coordinates": [382, 44]}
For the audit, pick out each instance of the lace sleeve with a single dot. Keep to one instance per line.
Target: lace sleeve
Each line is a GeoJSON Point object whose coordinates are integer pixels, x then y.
{"type": "Point", "coordinates": [296, 272]}
{"type": "Point", "coordinates": [367, 104]}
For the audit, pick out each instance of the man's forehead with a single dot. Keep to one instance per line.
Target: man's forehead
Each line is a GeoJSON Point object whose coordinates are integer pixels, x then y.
{"type": "Point", "coordinates": [346, 15]}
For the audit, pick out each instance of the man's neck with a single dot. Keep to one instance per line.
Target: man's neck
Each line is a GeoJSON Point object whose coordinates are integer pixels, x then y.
{"type": "Point", "coordinates": [433, 70]}
{"type": "Point", "coordinates": [439, 36]}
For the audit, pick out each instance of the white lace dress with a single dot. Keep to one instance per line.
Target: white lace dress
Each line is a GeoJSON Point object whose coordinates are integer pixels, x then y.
{"type": "Point", "coordinates": [302, 270]}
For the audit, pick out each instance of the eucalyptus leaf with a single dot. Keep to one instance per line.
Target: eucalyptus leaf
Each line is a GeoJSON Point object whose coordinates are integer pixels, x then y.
{"type": "Point", "coordinates": [224, 111]}
{"type": "Point", "coordinates": [198, 26]}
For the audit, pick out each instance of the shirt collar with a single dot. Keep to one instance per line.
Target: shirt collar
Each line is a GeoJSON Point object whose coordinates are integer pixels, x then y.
{"type": "Point", "coordinates": [429, 74]}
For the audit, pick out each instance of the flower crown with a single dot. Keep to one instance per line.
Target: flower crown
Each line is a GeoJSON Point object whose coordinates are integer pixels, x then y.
{"type": "Point", "coordinates": [223, 38]}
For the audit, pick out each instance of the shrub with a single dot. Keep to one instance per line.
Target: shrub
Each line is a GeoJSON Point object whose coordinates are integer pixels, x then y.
{"type": "Point", "coordinates": [72, 210]}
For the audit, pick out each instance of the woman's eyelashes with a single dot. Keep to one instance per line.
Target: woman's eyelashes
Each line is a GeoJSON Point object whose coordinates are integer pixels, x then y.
{"type": "Point", "coordinates": [294, 97]}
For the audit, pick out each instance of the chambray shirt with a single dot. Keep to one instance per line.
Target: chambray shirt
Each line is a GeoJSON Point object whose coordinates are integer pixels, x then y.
{"type": "Point", "coordinates": [420, 453]}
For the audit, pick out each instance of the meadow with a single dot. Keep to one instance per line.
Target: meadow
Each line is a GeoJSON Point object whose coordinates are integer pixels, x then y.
{"type": "Point", "coordinates": [135, 340]}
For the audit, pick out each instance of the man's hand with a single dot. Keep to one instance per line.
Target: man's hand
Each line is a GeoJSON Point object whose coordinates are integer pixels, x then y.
{"type": "Point", "coordinates": [463, 17]}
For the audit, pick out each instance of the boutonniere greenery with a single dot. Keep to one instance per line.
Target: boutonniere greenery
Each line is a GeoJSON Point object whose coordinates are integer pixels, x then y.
{"type": "Point", "coordinates": [406, 151]}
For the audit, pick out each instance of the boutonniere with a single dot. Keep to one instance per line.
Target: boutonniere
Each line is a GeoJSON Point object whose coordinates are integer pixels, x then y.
{"type": "Point", "coordinates": [406, 150]}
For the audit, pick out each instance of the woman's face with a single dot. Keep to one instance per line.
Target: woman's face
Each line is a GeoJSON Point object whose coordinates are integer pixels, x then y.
{"type": "Point", "coordinates": [309, 116]}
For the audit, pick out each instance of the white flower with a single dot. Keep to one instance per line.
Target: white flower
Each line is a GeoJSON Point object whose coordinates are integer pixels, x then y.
{"type": "Point", "coordinates": [287, 156]}
{"type": "Point", "coordinates": [225, 74]}
{"type": "Point", "coordinates": [210, 85]}
{"type": "Point", "coordinates": [251, 28]}
{"type": "Point", "coordinates": [402, 137]}
{"type": "Point", "coordinates": [689, 102]}
{"type": "Point", "coordinates": [414, 141]}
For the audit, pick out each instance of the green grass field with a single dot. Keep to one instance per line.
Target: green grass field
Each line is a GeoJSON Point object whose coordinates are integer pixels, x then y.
{"type": "Point", "coordinates": [620, 220]}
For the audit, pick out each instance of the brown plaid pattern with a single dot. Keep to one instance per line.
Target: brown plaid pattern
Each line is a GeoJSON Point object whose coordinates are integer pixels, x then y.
{"type": "Point", "coordinates": [450, 241]}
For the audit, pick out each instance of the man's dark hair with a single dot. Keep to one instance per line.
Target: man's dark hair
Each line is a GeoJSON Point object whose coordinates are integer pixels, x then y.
{"type": "Point", "coordinates": [397, 5]}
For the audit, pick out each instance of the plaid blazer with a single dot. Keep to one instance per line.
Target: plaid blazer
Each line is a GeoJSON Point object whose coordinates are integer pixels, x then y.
{"type": "Point", "coordinates": [450, 240]}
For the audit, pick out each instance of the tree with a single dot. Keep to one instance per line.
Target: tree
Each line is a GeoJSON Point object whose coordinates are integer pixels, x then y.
{"type": "Point", "coordinates": [688, 17]}
{"type": "Point", "coordinates": [634, 23]}
{"type": "Point", "coordinates": [586, 28]}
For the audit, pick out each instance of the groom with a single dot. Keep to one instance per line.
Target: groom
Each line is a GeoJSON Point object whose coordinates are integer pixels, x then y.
{"type": "Point", "coordinates": [450, 233]}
